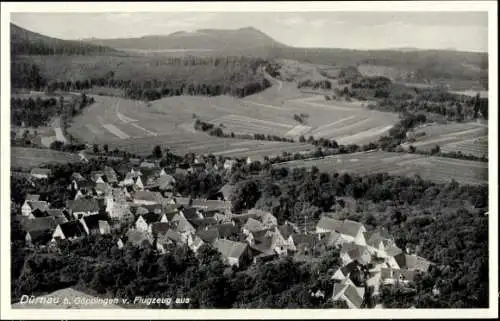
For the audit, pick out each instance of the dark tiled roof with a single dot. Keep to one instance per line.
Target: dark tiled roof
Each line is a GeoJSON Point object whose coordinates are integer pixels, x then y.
{"type": "Point", "coordinates": [393, 251]}
{"type": "Point", "coordinates": [151, 218]}
{"type": "Point", "coordinates": [160, 228]}
{"type": "Point", "coordinates": [202, 222]}
{"type": "Point", "coordinates": [32, 197]}
{"type": "Point", "coordinates": [40, 236]}
{"type": "Point", "coordinates": [353, 296]}
{"type": "Point", "coordinates": [39, 224]}
{"type": "Point", "coordinates": [83, 205]}
{"type": "Point", "coordinates": [329, 224]}
{"type": "Point", "coordinates": [227, 230]}
{"type": "Point", "coordinates": [41, 205]}
{"type": "Point", "coordinates": [412, 262]}
{"type": "Point", "coordinates": [190, 213]}
{"type": "Point", "coordinates": [72, 229]}
{"type": "Point", "coordinates": [183, 225]}
{"type": "Point", "coordinates": [286, 230]}
{"type": "Point", "coordinates": [209, 235]}
{"type": "Point", "coordinates": [92, 221]}
{"type": "Point", "coordinates": [350, 228]}
{"type": "Point", "coordinates": [148, 196]}
{"type": "Point", "coordinates": [58, 215]}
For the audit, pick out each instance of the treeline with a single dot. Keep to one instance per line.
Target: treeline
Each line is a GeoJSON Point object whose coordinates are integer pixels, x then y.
{"type": "Point", "coordinates": [394, 97]}
{"type": "Point", "coordinates": [39, 111]}
{"type": "Point", "coordinates": [33, 112]}
{"type": "Point", "coordinates": [212, 130]}
{"type": "Point", "coordinates": [236, 76]}
{"type": "Point", "coordinates": [318, 84]}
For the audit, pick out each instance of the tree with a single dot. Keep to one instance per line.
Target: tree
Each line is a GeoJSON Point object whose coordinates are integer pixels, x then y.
{"type": "Point", "coordinates": [157, 152]}
{"type": "Point", "coordinates": [95, 149]}
{"type": "Point", "coordinates": [106, 148]}
{"type": "Point", "coordinates": [435, 150]}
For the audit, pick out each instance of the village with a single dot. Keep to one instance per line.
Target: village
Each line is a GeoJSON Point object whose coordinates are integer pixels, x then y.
{"type": "Point", "coordinates": [144, 210]}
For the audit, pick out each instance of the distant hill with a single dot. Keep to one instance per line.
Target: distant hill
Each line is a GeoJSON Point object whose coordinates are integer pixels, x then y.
{"type": "Point", "coordinates": [220, 40]}
{"type": "Point", "coordinates": [26, 42]}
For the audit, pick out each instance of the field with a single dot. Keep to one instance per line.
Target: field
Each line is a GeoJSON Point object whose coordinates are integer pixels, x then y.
{"type": "Point", "coordinates": [469, 138]}
{"type": "Point", "coordinates": [116, 121]}
{"type": "Point", "coordinates": [34, 157]}
{"type": "Point", "coordinates": [203, 144]}
{"type": "Point", "coordinates": [437, 169]}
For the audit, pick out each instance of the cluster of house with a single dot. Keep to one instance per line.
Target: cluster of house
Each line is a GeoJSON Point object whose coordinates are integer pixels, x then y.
{"type": "Point", "coordinates": [369, 260]}
{"type": "Point", "coordinates": [145, 211]}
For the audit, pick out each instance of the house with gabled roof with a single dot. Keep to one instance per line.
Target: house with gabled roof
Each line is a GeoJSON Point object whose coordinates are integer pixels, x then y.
{"type": "Point", "coordinates": [69, 231]}
{"type": "Point", "coordinates": [37, 229]}
{"type": "Point", "coordinates": [31, 197]}
{"type": "Point", "coordinates": [77, 177]}
{"type": "Point", "coordinates": [147, 198]}
{"type": "Point", "coordinates": [328, 224]}
{"type": "Point", "coordinates": [38, 237]}
{"type": "Point", "coordinates": [144, 222]}
{"type": "Point", "coordinates": [58, 214]}
{"type": "Point", "coordinates": [29, 206]}
{"type": "Point", "coordinates": [234, 253]}
{"type": "Point", "coordinates": [83, 207]}
{"type": "Point", "coordinates": [191, 213]}
{"type": "Point", "coordinates": [335, 239]}
{"type": "Point", "coordinates": [96, 224]}
{"type": "Point", "coordinates": [40, 173]}
{"type": "Point", "coordinates": [353, 231]}
{"type": "Point", "coordinates": [266, 218]}
{"type": "Point", "coordinates": [159, 228]}
{"type": "Point", "coordinates": [184, 227]}
{"type": "Point", "coordinates": [412, 262]}
{"type": "Point", "coordinates": [355, 252]}
{"type": "Point", "coordinates": [346, 291]}
{"type": "Point", "coordinates": [208, 235]}
{"type": "Point", "coordinates": [202, 223]}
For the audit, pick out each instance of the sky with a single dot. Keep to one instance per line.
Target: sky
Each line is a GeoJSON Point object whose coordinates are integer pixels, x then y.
{"type": "Point", "coordinates": [466, 31]}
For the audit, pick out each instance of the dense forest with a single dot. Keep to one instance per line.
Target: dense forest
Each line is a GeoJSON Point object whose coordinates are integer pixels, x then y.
{"type": "Point", "coordinates": [389, 96]}
{"type": "Point", "coordinates": [40, 111]}
{"type": "Point", "coordinates": [145, 78]}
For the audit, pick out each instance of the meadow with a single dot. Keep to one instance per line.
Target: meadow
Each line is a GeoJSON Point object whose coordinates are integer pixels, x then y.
{"type": "Point", "coordinates": [22, 157]}
{"type": "Point", "coordinates": [437, 169]}
{"type": "Point", "coordinates": [469, 138]}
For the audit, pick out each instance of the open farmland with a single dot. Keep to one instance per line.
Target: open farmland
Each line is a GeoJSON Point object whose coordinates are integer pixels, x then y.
{"type": "Point", "coordinates": [33, 157]}
{"type": "Point", "coordinates": [199, 143]}
{"type": "Point", "coordinates": [437, 169]}
{"type": "Point", "coordinates": [114, 119]}
{"type": "Point", "coordinates": [468, 138]}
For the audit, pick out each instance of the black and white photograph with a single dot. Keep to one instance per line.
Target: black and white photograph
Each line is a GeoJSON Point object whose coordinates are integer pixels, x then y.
{"type": "Point", "coordinates": [211, 158]}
